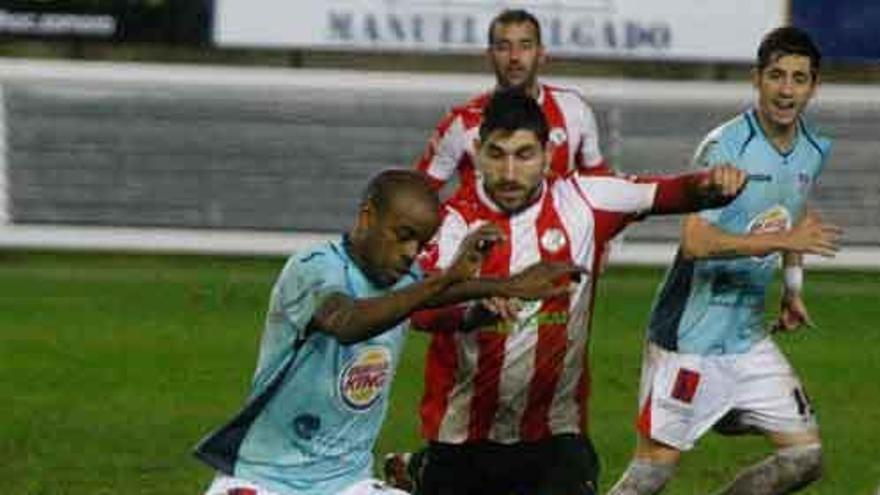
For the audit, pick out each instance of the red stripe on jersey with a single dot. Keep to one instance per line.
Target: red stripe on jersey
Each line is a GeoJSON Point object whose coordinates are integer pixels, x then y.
{"type": "Point", "coordinates": [440, 374]}
{"type": "Point", "coordinates": [484, 403]}
{"type": "Point", "coordinates": [552, 333]}
{"type": "Point", "coordinates": [559, 163]}
{"type": "Point", "coordinates": [490, 356]}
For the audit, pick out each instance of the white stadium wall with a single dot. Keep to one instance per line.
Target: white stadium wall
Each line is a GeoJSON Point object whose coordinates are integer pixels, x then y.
{"type": "Point", "coordinates": [259, 161]}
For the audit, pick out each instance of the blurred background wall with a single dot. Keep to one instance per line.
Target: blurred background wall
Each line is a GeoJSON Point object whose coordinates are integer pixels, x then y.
{"type": "Point", "coordinates": [268, 115]}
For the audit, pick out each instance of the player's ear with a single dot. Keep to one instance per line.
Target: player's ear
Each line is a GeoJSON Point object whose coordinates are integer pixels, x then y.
{"type": "Point", "coordinates": [367, 215]}
{"type": "Point", "coordinates": [542, 55]}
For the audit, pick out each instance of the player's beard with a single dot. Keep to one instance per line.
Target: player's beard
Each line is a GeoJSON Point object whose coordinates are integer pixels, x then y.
{"type": "Point", "coordinates": [527, 83]}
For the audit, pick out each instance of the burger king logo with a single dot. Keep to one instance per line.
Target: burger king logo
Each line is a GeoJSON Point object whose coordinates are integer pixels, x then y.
{"type": "Point", "coordinates": [776, 219]}
{"type": "Point", "coordinates": [363, 378]}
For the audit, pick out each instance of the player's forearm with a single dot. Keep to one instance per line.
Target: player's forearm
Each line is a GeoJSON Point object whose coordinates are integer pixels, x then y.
{"type": "Point", "coordinates": [683, 194]}
{"type": "Point", "coordinates": [705, 241]}
{"type": "Point", "coordinates": [474, 288]}
{"type": "Point", "coordinates": [354, 320]}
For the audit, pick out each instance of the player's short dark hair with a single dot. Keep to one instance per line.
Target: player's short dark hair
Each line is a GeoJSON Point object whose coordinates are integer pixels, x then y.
{"type": "Point", "coordinates": [514, 16]}
{"type": "Point", "coordinates": [788, 40]}
{"type": "Point", "coordinates": [511, 110]}
{"type": "Point", "coordinates": [388, 183]}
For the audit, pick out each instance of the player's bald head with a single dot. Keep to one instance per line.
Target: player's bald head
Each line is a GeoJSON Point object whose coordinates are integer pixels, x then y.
{"type": "Point", "coordinates": [398, 185]}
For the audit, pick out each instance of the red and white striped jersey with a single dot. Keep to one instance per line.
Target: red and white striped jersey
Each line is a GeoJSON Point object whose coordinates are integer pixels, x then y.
{"type": "Point", "coordinates": [574, 137]}
{"type": "Point", "coordinates": [526, 380]}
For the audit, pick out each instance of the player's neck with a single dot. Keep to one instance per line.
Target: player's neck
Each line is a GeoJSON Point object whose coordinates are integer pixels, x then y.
{"type": "Point", "coordinates": [533, 90]}
{"type": "Point", "coordinates": [782, 137]}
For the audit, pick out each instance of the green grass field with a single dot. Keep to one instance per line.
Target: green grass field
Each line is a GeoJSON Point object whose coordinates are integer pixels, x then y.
{"type": "Point", "coordinates": [113, 366]}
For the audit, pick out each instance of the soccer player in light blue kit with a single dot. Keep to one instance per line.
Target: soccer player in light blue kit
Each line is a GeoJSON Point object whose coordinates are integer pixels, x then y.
{"type": "Point", "coordinates": [709, 361]}
{"type": "Point", "coordinates": [332, 340]}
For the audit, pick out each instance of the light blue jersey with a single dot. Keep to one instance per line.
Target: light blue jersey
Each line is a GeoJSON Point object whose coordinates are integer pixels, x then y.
{"type": "Point", "coordinates": [316, 405]}
{"type": "Point", "coordinates": [717, 306]}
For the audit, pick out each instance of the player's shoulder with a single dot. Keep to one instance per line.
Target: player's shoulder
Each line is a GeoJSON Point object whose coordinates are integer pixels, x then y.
{"type": "Point", "coordinates": [569, 95]}
{"type": "Point", "coordinates": [475, 105]}
{"type": "Point", "coordinates": [737, 130]}
{"type": "Point", "coordinates": [320, 257]}
{"type": "Point", "coordinates": [470, 113]}
{"type": "Point", "coordinates": [815, 137]}
{"type": "Point", "coordinates": [462, 208]}
{"type": "Point", "coordinates": [731, 137]}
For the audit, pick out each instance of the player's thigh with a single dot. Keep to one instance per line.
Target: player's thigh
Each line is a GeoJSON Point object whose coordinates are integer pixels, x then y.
{"type": "Point", "coordinates": [770, 397]}
{"type": "Point", "coordinates": [683, 395]}
{"type": "Point", "coordinates": [371, 487]}
{"type": "Point", "coordinates": [228, 485]}
{"type": "Point", "coordinates": [571, 467]}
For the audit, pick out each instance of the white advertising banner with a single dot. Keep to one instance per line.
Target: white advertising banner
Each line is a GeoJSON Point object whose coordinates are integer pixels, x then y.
{"type": "Point", "coordinates": [665, 29]}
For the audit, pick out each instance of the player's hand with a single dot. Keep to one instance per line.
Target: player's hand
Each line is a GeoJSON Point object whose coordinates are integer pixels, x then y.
{"type": "Point", "coordinates": [502, 308]}
{"type": "Point", "coordinates": [543, 280]}
{"type": "Point", "coordinates": [792, 314]}
{"type": "Point", "coordinates": [814, 236]}
{"type": "Point", "coordinates": [472, 250]}
{"type": "Point", "coordinates": [722, 182]}
{"type": "Point", "coordinates": [488, 313]}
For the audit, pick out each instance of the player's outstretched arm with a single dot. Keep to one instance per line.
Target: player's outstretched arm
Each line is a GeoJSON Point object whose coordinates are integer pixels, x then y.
{"type": "Point", "coordinates": [539, 281]}
{"type": "Point", "coordinates": [353, 320]}
{"type": "Point", "coordinates": [710, 188]}
{"type": "Point", "coordinates": [700, 239]}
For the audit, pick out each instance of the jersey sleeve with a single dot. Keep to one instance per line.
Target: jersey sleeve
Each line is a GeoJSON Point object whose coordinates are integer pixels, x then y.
{"type": "Point", "coordinates": [445, 149]}
{"type": "Point", "coordinates": [617, 194]}
{"type": "Point", "coordinates": [302, 287]}
{"type": "Point", "coordinates": [709, 153]}
{"type": "Point", "coordinates": [589, 157]}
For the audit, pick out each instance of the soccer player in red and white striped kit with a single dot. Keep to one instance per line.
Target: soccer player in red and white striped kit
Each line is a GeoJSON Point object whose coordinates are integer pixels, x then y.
{"type": "Point", "coordinates": [506, 394]}
{"type": "Point", "coordinates": [516, 54]}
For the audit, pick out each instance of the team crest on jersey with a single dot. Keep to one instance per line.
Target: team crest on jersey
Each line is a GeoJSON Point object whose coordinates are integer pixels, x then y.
{"type": "Point", "coordinates": [557, 136]}
{"type": "Point", "coordinates": [363, 378]}
{"type": "Point", "coordinates": [552, 240]}
{"type": "Point", "coordinates": [803, 182]}
{"type": "Point", "coordinates": [775, 219]}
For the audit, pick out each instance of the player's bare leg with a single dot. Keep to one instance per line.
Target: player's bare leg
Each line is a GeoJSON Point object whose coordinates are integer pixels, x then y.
{"type": "Point", "coordinates": [796, 463]}
{"type": "Point", "coordinates": [651, 468]}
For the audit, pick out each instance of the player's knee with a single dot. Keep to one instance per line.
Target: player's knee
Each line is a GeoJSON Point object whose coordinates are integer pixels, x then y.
{"type": "Point", "coordinates": [802, 464]}
{"type": "Point", "coordinates": [643, 478]}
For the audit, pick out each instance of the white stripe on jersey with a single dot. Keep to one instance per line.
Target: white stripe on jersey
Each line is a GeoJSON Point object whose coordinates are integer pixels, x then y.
{"type": "Point", "coordinates": [578, 220]}
{"type": "Point", "coordinates": [454, 143]}
{"type": "Point", "coordinates": [454, 425]}
{"type": "Point", "coordinates": [454, 230]}
{"type": "Point", "coordinates": [580, 124]}
{"type": "Point", "coordinates": [617, 194]}
{"type": "Point", "coordinates": [564, 410]}
{"type": "Point", "coordinates": [521, 345]}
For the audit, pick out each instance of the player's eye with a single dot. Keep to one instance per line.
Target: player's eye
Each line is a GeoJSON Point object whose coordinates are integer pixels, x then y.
{"type": "Point", "coordinates": [526, 153]}
{"type": "Point", "coordinates": [774, 75]}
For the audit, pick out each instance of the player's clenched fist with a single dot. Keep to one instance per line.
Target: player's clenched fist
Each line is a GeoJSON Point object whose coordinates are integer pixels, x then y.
{"type": "Point", "coordinates": [471, 251]}
{"type": "Point", "coordinates": [725, 181]}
